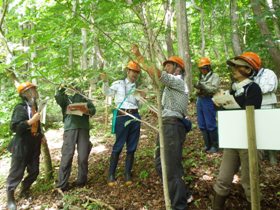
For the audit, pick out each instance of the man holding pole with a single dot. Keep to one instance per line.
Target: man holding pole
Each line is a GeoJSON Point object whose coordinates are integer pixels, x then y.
{"type": "Point", "coordinates": [246, 93]}
{"type": "Point", "coordinates": [174, 102]}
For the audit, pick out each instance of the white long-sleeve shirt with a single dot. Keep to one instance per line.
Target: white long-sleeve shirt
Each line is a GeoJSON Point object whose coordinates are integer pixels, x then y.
{"type": "Point", "coordinates": [267, 80]}
{"type": "Point", "coordinates": [119, 89]}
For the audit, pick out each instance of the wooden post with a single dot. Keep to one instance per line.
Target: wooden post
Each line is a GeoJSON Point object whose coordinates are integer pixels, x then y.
{"type": "Point", "coordinates": [253, 158]}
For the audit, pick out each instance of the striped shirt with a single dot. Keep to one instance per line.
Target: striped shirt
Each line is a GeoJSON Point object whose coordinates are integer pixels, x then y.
{"type": "Point", "coordinates": [175, 96]}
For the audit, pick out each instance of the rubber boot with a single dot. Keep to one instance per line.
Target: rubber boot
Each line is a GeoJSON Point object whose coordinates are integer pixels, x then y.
{"type": "Point", "coordinates": [11, 200]}
{"type": "Point", "coordinates": [214, 139]}
{"type": "Point", "coordinates": [206, 139]}
{"type": "Point", "coordinates": [24, 192]}
{"type": "Point", "coordinates": [218, 202]}
{"type": "Point", "coordinates": [128, 167]}
{"type": "Point", "coordinates": [112, 170]}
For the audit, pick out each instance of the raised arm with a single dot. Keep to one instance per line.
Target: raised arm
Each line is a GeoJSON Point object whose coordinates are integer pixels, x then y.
{"type": "Point", "coordinates": [146, 66]}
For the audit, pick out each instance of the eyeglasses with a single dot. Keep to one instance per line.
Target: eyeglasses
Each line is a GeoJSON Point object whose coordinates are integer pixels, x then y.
{"type": "Point", "coordinates": [204, 68]}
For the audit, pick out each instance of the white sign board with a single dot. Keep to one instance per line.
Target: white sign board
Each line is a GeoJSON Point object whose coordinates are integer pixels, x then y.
{"type": "Point", "coordinates": [232, 128]}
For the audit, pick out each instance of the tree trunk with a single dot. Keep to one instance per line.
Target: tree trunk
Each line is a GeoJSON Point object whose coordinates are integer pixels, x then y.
{"type": "Point", "coordinates": [168, 20]}
{"type": "Point", "coordinates": [236, 46]}
{"type": "Point", "coordinates": [143, 13]}
{"type": "Point", "coordinates": [275, 19]}
{"type": "Point", "coordinates": [84, 64]}
{"type": "Point", "coordinates": [47, 160]}
{"type": "Point", "coordinates": [273, 50]}
{"type": "Point", "coordinates": [202, 32]}
{"type": "Point", "coordinates": [183, 39]}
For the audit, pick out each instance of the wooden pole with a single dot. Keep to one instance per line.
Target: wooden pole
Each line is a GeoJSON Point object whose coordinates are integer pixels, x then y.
{"type": "Point", "coordinates": [253, 158]}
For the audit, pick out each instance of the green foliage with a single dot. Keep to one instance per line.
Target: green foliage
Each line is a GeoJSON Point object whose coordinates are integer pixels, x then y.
{"type": "Point", "coordinates": [144, 174]}
{"type": "Point", "coordinates": [92, 206]}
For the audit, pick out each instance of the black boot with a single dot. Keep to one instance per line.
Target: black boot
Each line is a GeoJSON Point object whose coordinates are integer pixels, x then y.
{"type": "Point", "coordinates": [206, 139]}
{"type": "Point", "coordinates": [214, 139]}
{"type": "Point", "coordinates": [128, 167]}
{"type": "Point", "coordinates": [112, 170]}
{"type": "Point", "coordinates": [218, 202]}
{"type": "Point", "coordinates": [11, 200]}
{"type": "Point", "coordinates": [24, 192]}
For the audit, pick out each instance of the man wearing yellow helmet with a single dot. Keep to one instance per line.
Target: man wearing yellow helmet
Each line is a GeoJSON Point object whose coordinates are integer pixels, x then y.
{"type": "Point", "coordinates": [26, 143]}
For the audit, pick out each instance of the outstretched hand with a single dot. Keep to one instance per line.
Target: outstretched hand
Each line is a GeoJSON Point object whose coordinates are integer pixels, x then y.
{"type": "Point", "coordinates": [135, 50]}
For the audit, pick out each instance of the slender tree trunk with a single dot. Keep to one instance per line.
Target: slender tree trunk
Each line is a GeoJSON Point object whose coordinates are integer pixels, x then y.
{"type": "Point", "coordinates": [70, 50]}
{"type": "Point", "coordinates": [44, 146]}
{"type": "Point", "coordinates": [143, 14]}
{"type": "Point", "coordinates": [275, 19]}
{"type": "Point", "coordinates": [202, 31]}
{"type": "Point", "coordinates": [272, 48]}
{"type": "Point", "coordinates": [168, 21]}
{"type": "Point", "coordinates": [47, 160]}
{"type": "Point", "coordinates": [84, 63]}
{"type": "Point", "coordinates": [183, 39]}
{"type": "Point", "coordinates": [236, 46]}
{"type": "Point", "coordinates": [211, 36]}
{"type": "Point", "coordinates": [149, 34]}
{"type": "Point", "coordinates": [225, 46]}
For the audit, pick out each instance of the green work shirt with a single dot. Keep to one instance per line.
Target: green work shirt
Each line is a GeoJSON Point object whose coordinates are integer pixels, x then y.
{"type": "Point", "coordinates": [74, 121]}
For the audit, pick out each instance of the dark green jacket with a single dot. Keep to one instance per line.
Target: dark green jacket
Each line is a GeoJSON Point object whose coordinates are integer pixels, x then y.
{"type": "Point", "coordinates": [74, 121]}
{"type": "Point", "coordinates": [23, 144]}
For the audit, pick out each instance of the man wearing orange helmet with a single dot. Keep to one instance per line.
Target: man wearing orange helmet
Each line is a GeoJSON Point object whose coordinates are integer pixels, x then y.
{"type": "Point", "coordinates": [268, 82]}
{"type": "Point", "coordinates": [26, 143]}
{"type": "Point", "coordinates": [206, 113]}
{"type": "Point", "coordinates": [127, 103]}
{"type": "Point", "coordinates": [174, 102]}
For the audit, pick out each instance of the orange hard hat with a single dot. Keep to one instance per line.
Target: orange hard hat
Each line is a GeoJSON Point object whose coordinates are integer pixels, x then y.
{"type": "Point", "coordinates": [25, 86]}
{"type": "Point", "coordinates": [175, 59]}
{"type": "Point", "coordinates": [133, 66]}
{"type": "Point", "coordinates": [204, 62]}
{"type": "Point", "coordinates": [251, 58]}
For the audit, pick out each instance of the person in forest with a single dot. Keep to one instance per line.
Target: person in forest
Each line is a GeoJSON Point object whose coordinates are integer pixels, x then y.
{"type": "Point", "coordinates": [127, 103]}
{"type": "Point", "coordinates": [174, 102]}
{"type": "Point", "coordinates": [26, 143]}
{"type": "Point", "coordinates": [246, 93]}
{"type": "Point", "coordinates": [206, 113]}
{"type": "Point", "coordinates": [76, 110]}
{"type": "Point", "coordinates": [268, 82]}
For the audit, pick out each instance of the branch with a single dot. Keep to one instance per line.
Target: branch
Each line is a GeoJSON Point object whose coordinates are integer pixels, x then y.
{"type": "Point", "coordinates": [135, 118]}
{"type": "Point", "coordinates": [5, 7]}
{"type": "Point", "coordinates": [99, 202]}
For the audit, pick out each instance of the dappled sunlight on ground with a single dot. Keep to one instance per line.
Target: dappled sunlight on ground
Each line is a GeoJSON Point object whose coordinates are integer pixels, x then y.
{"type": "Point", "coordinates": [98, 149]}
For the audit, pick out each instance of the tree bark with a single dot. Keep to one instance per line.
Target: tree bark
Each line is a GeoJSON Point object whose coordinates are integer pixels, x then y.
{"type": "Point", "coordinates": [143, 14]}
{"type": "Point", "coordinates": [47, 160]}
{"type": "Point", "coordinates": [236, 46]}
{"type": "Point", "coordinates": [272, 48]}
{"type": "Point", "coordinates": [183, 39]}
{"type": "Point", "coordinates": [275, 19]}
{"type": "Point", "coordinates": [202, 31]}
{"type": "Point", "coordinates": [168, 27]}
{"type": "Point", "coordinates": [84, 64]}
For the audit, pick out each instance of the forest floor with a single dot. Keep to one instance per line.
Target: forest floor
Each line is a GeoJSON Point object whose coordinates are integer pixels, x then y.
{"type": "Point", "coordinates": [146, 191]}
